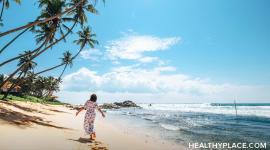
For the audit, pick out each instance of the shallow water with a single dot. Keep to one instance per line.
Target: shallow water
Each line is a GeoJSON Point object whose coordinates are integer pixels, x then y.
{"type": "Point", "coordinates": [185, 123]}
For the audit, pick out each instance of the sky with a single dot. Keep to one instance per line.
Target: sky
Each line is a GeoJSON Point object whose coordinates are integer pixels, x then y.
{"type": "Point", "coordinates": [157, 51]}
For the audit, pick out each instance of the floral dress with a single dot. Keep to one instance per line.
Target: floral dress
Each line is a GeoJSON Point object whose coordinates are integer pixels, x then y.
{"type": "Point", "coordinates": [90, 116]}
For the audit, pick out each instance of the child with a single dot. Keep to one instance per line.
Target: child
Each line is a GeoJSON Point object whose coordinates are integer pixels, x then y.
{"type": "Point", "coordinates": [90, 115]}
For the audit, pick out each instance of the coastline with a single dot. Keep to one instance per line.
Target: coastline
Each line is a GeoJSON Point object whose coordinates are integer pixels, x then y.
{"type": "Point", "coordinates": [30, 125]}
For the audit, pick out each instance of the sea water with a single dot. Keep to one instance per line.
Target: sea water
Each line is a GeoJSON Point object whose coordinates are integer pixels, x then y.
{"type": "Point", "coordinates": [201, 123]}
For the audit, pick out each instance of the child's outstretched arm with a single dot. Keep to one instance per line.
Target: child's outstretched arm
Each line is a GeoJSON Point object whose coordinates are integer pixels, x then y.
{"type": "Point", "coordinates": [102, 113]}
{"type": "Point", "coordinates": [81, 109]}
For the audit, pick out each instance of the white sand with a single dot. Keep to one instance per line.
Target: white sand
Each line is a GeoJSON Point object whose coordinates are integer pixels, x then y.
{"type": "Point", "coordinates": [51, 133]}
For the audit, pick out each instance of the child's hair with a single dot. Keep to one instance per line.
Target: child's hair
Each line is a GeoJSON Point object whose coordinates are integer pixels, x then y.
{"type": "Point", "coordinates": [93, 98]}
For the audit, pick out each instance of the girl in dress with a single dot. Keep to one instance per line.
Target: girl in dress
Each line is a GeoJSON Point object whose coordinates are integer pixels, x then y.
{"type": "Point", "coordinates": [90, 106]}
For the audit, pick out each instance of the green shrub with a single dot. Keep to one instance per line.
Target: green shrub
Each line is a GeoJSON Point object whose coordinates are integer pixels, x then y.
{"type": "Point", "coordinates": [33, 99]}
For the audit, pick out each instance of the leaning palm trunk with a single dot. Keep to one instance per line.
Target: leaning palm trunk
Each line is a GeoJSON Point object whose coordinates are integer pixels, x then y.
{"type": "Point", "coordinates": [41, 21]}
{"type": "Point", "coordinates": [59, 78]}
{"type": "Point", "coordinates": [37, 54]}
{"type": "Point", "coordinates": [20, 56]}
{"type": "Point", "coordinates": [2, 49]}
{"type": "Point", "coordinates": [2, 10]}
{"type": "Point", "coordinates": [49, 69]}
{"type": "Point", "coordinates": [78, 52]}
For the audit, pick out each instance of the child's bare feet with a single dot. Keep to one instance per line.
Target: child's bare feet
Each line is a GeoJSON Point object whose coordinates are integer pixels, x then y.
{"type": "Point", "coordinates": [93, 136]}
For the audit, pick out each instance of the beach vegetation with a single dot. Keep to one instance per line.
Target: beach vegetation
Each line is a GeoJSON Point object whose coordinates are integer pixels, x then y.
{"type": "Point", "coordinates": [27, 98]}
{"type": "Point", "coordinates": [41, 87]}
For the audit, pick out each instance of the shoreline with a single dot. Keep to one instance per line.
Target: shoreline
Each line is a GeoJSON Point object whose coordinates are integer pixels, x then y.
{"type": "Point", "coordinates": [42, 126]}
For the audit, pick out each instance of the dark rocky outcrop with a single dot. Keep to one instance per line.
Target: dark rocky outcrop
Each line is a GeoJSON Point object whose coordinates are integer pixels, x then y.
{"type": "Point", "coordinates": [74, 107]}
{"type": "Point", "coordinates": [109, 106]}
{"type": "Point", "coordinates": [127, 103]}
{"type": "Point", "coordinates": [117, 105]}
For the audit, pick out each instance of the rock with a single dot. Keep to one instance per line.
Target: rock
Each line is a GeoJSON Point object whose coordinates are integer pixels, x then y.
{"type": "Point", "coordinates": [109, 106]}
{"type": "Point", "coordinates": [118, 105]}
{"type": "Point", "coordinates": [73, 107]}
{"type": "Point", "coordinates": [127, 103]}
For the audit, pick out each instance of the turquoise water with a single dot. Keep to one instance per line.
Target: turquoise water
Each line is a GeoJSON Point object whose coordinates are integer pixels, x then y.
{"type": "Point", "coordinates": [185, 123]}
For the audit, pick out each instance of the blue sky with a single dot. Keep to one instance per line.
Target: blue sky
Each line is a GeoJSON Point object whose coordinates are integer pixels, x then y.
{"type": "Point", "coordinates": [174, 51]}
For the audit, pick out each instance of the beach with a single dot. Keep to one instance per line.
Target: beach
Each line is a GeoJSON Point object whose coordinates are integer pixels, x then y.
{"type": "Point", "coordinates": [31, 126]}
{"type": "Point", "coordinates": [27, 125]}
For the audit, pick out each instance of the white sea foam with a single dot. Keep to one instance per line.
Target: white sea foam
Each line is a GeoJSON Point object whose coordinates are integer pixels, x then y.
{"type": "Point", "coordinates": [169, 127]}
{"type": "Point", "coordinates": [263, 111]}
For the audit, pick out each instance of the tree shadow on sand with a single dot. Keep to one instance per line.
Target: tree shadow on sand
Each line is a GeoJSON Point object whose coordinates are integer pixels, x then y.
{"type": "Point", "coordinates": [22, 120]}
{"type": "Point", "coordinates": [58, 111]}
{"type": "Point", "coordinates": [23, 108]}
{"type": "Point", "coordinates": [95, 145]}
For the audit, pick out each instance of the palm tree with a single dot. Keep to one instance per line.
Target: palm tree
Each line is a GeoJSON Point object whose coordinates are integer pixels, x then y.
{"type": "Point", "coordinates": [30, 66]}
{"type": "Point", "coordinates": [39, 86]}
{"type": "Point", "coordinates": [37, 53]}
{"type": "Point", "coordinates": [85, 38]}
{"type": "Point", "coordinates": [37, 22]}
{"type": "Point", "coordinates": [5, 4]}
{"type": "Point", "coordinates": [44, 86]}
{"type": "Point", "coordinates": [45, 32]}
{"type": "Point", "coordinates": [66, 60]}
{"type": "Point", "coordinates": [79, 12]}
{"type": "Point", "coordinates": [27, 83]}
{"type": "Point", "coordinates": [51, 85]}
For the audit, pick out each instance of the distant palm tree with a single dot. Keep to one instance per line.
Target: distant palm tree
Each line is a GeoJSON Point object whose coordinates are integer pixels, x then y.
{"type": "Point", "coordinates": [85, 38]}
{"type": "Point", "coordinates": [66, 60]}
{"type": "Point", "coordinates": [44, 86]}
{"type": "Point", "coordinates": [30, 65]}
{"type": "Point", "coordinates": [51, 85]}
{"type": "Point", "coordinates": [39, 86]}
{"type": "Point", "coordinates": [27, 83]}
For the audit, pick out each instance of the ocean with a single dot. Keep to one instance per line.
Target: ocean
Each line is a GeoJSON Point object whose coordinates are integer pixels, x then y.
{"type": "Point", "coordinates": [201, 123]}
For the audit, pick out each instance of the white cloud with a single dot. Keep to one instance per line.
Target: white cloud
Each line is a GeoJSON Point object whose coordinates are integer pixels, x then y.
{"type": "Point", "coordinates": [133, 47]}
{"type": "Point", "coordinates": [133, 79]}
{"type": "Point", "coordinates": [158, 84]}
{"type": "Point", "coordinates": [148, 59]}
{"type": "Point", "coordinates": [91, 54]}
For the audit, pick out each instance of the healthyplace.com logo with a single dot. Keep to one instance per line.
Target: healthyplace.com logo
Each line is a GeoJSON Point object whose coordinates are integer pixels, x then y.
{"type": "Point", "coordinates": [227, 145]}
